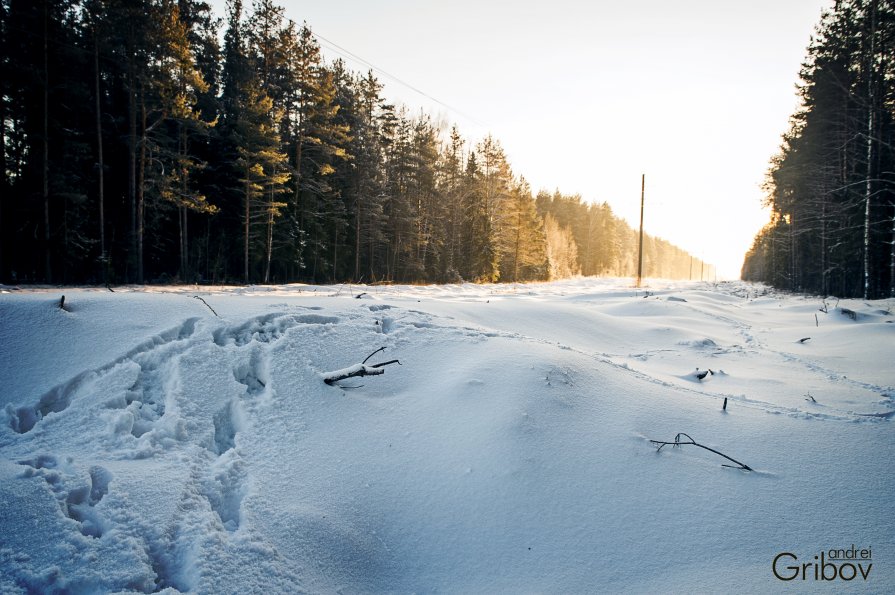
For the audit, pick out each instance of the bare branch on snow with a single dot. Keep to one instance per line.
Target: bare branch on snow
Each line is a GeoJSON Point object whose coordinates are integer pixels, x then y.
{"type": "Point", "coordinates": [206, 303]}
{"type": "Point", "coordinates": [679, 442]}
{"type": "Point", "coordinates": [361, 369]}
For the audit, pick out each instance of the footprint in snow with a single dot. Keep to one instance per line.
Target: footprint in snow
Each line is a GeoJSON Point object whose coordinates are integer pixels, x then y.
{"type": "Point", "coordinates": [151, 355]}
{"type": "Point", "coordinates": [77, 496]}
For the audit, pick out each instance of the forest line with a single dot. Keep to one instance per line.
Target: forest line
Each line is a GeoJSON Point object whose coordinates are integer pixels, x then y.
{"type": "Point", "coordinates": [830, 189]}
{"type": "Point", "coordinates": [139, 148]}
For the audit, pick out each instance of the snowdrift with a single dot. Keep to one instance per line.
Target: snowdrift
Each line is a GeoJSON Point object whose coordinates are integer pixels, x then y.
{"type": "Point", "coordinates": [151, 441]}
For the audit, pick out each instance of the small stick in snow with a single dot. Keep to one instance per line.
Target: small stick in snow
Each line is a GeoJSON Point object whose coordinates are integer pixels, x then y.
{"type": "Point", "coordinates": [206, 303]}
{"type": "Point", "coordinates": [804, 339]}
{"type": "Point", "coordinates": [361, 369]}
{"type": "Point", "coordinates": [62, 303]}
{"type": "Point", "coordinates": [724, 407]}
{"type": "Point", "coordinates": [678, 442]}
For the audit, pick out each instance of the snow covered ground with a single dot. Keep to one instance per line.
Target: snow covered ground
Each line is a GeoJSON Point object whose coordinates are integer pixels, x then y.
{"type": "Point", "coordinates": [149, 444]}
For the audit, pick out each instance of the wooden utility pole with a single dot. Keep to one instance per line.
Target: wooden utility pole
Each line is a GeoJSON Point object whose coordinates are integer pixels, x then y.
{"type": "Point", "coordinates": [640, 248]}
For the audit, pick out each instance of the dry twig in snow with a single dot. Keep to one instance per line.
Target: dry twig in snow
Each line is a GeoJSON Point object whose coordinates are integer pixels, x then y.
{"type": "Point", "coordinates": [361, 369]}
{"type": "Point", "coordinates": [678, 442]}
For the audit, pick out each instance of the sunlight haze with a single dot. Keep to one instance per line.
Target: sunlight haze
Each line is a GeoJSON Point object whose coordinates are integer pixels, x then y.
{"type": "Point", "coordinates": [587, 96]}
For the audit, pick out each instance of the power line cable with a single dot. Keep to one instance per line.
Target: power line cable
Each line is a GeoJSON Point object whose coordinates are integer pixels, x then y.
{"type": "Point", "coordinates": [345, 53]}
{"type": "Point", "coordinates": [351, 55]}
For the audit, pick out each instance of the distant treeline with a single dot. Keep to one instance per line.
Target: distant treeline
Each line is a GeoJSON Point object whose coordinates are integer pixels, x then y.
{"type": "Point", "coordinates": [832, 228]}
{"type": "Point", "coordinates": [136, 148]}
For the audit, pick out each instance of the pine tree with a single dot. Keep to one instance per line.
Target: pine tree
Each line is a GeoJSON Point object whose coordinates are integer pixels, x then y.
{"type": "Point", "coordinates": [524, 249]}
{"type": "Point", "coordinates": [562, 250]}
{"type": "Point", "coordinates": [830, 189]}
{"type": "Point", "coordinates": [367, 175]}
{"type": "Point", "coordinates": [480, 262]}
{"type": "Point", "coordinates": [131, 43]}
{"type": "Point", "coordinates": [494, 181]}
{"type": "Point", "coordinates": [316, 142]}
{"type": "Point", "coordinates": [181, 86]}
{"type": "Point", "coordinates": [251, 129]}
{"type": "Point", "coordinates": [452, 187]}
{"type": "Point", "coordinates": [271, 43]}
{"type": "Point", "coordinates": [43, 144]}
{"type": "Point", "coordinates": [263, 170]}
{"type": "Point", "coordinates": [426, 204]}
{"type": "Point", "coordinates": [396, 205]}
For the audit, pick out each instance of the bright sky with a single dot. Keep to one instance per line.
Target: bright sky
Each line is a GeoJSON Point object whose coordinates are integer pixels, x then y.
{"type": "Point", "coordinates": [585, 96]}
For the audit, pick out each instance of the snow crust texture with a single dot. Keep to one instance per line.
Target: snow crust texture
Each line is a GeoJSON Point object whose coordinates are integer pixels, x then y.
{"type": "Point", "coordinates": [148, 444]}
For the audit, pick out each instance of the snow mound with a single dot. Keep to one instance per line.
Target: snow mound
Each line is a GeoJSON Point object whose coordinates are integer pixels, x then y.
{"type": "Point", "coordinates": [149, 444]}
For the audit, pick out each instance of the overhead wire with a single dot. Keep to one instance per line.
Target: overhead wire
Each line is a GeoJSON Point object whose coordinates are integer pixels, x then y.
{"type": "Point", "coordinates": [352, 56]}
{"type": "Point", "coordinates": [331, 45]}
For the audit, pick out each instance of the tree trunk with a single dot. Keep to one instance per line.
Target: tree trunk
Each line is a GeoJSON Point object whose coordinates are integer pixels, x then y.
{"type": "Point", "coordinates": [824, 282]}
{"type": "Point", "coordinates": [892, 262]}
{"type": "Point", "coordinates": [132, 161]}
{"type": "Point", "coordinates": [182, 210]}
{"type": "Point", "coordinates": [298, 213]}
{"type": "Point", "coordinates": [184, 259]}
{"type": "Point", "coordinates": [793, 254]}
{"type": "Point", "coordinates": [586, 267]}
{"type": "Point", "coordinates": [372, 246]}
{"type": "Point", "coordinates": [207, 248]}
{"type": "Point", "coordinates": [357, 234]}
{"type": "Point", "coordinates": [45, 190]}
{"type": "Point", "coordinates": [4, 182]}
{"type": "Point", "coordinates": [335, 253]}
{"type": "Point", "coordinates": [99, 157]}
{"type": "Point", "coordinates": [140, 187]}
{"type": "Point", "coordinates": [317, 240]}
{"type": "Point", "coordinates": [870, 113]}
{"type": "Point", "coordinates": [517, 244]}
{"type": "Point", "coordinates": [246, 229]}
{"type": "Point", "coordinates": [186, 243]}
{"type": "Point", "coordinates": [269, 252]}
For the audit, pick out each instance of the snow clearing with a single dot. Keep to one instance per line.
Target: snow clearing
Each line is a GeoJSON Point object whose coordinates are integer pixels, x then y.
{"type": "Point", "coordinates": [184, 439]}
